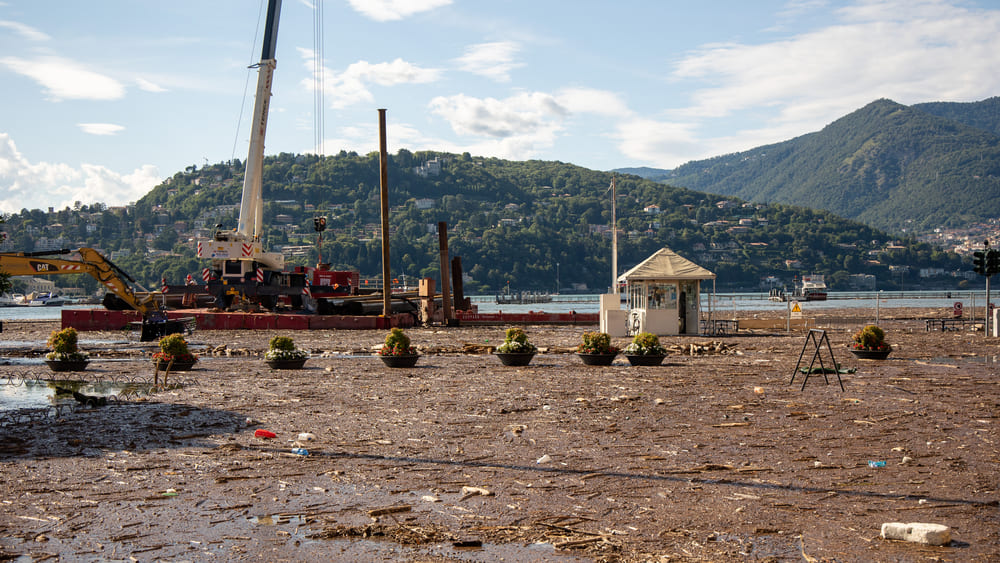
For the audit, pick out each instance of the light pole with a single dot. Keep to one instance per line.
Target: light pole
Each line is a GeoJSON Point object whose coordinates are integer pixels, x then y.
{"type": "Point", "coordinates": [557, 278]}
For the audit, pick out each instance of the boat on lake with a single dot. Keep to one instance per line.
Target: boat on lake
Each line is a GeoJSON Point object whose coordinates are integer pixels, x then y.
{"type": "Point", "coordinates": [12, 300]}
{"type": "Point", "coordinates": [523, 298]}
{"type": "Point", "coordinates": [47, 299]}
{"type": "Point", "coordinates": [807, 288]}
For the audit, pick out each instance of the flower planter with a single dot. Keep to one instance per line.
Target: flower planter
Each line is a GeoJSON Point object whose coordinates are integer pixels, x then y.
{"type": "Point", "coordinates": [871, 354]}
{"type": "Point", "coordinates": [291, 363]}
{"type": "Point", "coordinates": [645, 359]}
{"type": "Point", "coordinates": [177, 366]}
{"type": "Point", "coordinates": [67, 365]}
{"type": "Point", "coordinates": [515, 358]}
{"type": "Point", "coordinates": [598, 359]}
{"type": "Point", "coordinates": [400, 360]}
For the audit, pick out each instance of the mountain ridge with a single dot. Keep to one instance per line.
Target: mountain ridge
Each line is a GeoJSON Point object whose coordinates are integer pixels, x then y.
{"type": "Point", "coordinates": [895, 167]}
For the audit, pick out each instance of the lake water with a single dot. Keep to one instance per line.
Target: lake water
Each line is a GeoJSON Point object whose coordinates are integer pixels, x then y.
{"type": "Point", "coordinates": [588, 303]}
{"type": "Point", "coordinates": [737, 302]}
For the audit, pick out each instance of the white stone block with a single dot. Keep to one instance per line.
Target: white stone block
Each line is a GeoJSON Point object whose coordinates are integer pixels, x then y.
{"type": "Point", "coordinates": [918, 532]}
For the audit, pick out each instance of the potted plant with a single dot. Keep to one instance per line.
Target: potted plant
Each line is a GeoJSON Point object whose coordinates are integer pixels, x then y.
{"type": "Point", "coordinates": [396, 351]}
{"type": "Point", "coordinates": [174, 354]}
{"type": "Point", "coordinates": [282, 354]}
{"type": "Point", "coordinates": [596, 349]}
{"type": "Point", "coordinates": [869, 343]}
{"type": "Point", "coordinates": [516, 350]}
{"type": "Point", "coordinates": [645, 350]}
{"type": "Point", "coordinates": [65, 356]}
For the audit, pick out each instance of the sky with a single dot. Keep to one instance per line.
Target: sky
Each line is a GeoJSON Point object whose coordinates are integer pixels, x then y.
{"type": "Point", "coordinates": [100, 101]}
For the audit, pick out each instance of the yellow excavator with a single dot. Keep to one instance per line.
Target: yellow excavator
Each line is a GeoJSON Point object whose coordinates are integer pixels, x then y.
{"type": "Point", "coordinates": [154, 320]}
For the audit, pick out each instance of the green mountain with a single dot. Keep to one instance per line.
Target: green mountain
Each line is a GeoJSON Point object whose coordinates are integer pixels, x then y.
{"type": "Point", "coordinates": [533, 225]}
{"type": "Point", "coordinates": [984, 115]}
{"type": "Point", "coordinates": [898, 168]}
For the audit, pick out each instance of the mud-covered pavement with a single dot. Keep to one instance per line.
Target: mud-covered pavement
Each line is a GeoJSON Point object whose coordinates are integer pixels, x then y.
{"type": "Point", "coordinates": [711, 457]}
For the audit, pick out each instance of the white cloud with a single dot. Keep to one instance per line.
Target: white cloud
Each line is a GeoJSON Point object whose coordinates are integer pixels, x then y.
{"type": "Point", "coordinates": [908, 51]}
{"type": "Point", "coordinates": [391, 10]}
{"type": "Point", "coordinates": [100, 128]}
{"type": "Point", "coordinates": [25, 31]}
{"type": "Point", "coordinates": [492, 60]}
{"type": "Point", "coordinates": [351, 86]}
{"type": "Point", "coordinates": [65, 79]}
{"type": "Point", "coordinates": [662, 143]}
{"type": "Point", "coordinates": [515, 127]}
{"type": "Point", "coordinates": [590, 100]}
{"type": "Point", "coordinates": [26, 185]}
{"type": "Point", "coordinates": [148, 86]}
{"type": "Point", "coordinates": [520, 115]}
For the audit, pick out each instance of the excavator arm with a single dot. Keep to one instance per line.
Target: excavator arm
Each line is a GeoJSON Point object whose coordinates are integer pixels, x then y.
{"type": "Point", "coordinates": [154, 320]}
{"type": "Point", "coordinates": [91, 262]}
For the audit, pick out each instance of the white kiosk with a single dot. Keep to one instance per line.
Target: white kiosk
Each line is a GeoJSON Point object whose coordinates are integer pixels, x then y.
{"type": "Point", "coordinates": [664, 294]}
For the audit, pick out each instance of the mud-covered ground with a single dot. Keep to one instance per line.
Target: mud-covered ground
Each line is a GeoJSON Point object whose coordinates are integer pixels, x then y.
{"type": "Point", "coordinates": [716, 456]}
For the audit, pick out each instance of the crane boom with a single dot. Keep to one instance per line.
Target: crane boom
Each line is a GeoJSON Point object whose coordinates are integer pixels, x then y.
{"type": "Point", "coordinates": [154, 320]}
{"type": "Point", "coordinates": [252, 204]}
{"type": "Point", "coordinates": [240, 252]}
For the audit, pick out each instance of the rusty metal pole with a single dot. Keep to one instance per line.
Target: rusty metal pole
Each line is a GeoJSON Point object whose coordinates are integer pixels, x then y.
{"type": "Point", "coordinates": [383, 160]}
{"type": "Point", "coordinates": [445, 293]}
{"type": "Point", "coordinates": [456, 284]}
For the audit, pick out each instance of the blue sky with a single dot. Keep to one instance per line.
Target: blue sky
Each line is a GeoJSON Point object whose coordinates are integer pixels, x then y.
{"type": "Point", "coordinates": [102, 100]}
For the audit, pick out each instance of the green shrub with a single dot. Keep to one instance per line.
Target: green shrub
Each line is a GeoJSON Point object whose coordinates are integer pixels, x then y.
{"type": "Point", "coordinates": [64, 346]}
{"type": "Point", "coordinates": [645, 344]}
{"type": "Point", "coordinates": [397, 343]}
{"type": "Point", "coordinates": [596, 343]}
{"type": "Point", "coordinates": [870, 337]}
{"type": "Point", "coordinates": [516, 341]}
{"type": "Point", "coordinates": [281, 343]}
{"type": "Point", "coordinates": [283, 348]}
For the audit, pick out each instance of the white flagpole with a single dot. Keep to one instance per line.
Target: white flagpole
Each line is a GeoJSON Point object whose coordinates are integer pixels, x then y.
{"type": "Point", "coordinates": [614, 239]}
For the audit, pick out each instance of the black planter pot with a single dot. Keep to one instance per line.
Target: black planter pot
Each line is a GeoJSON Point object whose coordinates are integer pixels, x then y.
{"type": "Point", "coordinates": [292, 363]}
{"type": "Point", "coordinates": [406, 361]}
{"type": "Point", "coordinates": [67, 365]}
{"type": "Point", "coordinates": [871, 354]}
{"type": "Point", "coordinates": [645, 359]}
{"type": "Point", "coordinates": [598, 359]}
{"type": "Point", "coordinates": [177, 366]}
{"type": "Point", "coordinates": [515, 358]}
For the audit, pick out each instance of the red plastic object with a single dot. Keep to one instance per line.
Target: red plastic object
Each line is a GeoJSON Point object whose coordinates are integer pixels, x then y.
{"type": "Point", "coordinates": [261, 433]}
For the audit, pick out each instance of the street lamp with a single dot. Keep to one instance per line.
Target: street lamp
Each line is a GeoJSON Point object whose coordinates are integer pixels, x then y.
{"type": "Point", "coordinates": [557, 277]}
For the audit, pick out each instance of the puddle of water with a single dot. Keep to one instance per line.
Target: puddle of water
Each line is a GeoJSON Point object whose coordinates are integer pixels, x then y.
{"type": "Point", "coordinates": [953, 360]}
{"type": "Point", "coordinates": [32, 394]}
{"type": "Point", "coordinates": [22, 361]}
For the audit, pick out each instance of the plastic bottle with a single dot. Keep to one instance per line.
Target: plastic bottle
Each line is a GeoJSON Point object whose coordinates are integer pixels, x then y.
{"type": "Point", "coordinates": [261, 433]}
{"type": "Point", "coordinates": [300, 451]}
{"type": "Point", "coordinates": [876, 463]}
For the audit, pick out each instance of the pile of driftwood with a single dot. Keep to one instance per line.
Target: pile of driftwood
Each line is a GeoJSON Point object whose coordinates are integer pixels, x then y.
{"type": "Point", "coordinates": [703, 349]}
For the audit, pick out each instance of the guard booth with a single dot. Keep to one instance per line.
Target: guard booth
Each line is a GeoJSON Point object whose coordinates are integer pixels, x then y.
{"type": "Point", "coordinates": [664, 294]}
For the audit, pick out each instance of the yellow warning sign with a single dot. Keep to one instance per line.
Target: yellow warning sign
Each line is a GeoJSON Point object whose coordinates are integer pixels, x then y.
{"type": "Point", "coordinates": [796, 308]}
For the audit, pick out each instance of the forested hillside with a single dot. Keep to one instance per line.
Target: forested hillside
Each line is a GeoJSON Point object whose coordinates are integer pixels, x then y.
{"type": "Point", "coordinates": [534, 225]}
{"type": "Point", "coordinates": [898, 168]}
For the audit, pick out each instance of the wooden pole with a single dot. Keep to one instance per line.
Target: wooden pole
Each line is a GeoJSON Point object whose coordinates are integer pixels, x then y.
{"type": "Point", "coordinates": [383, 159]}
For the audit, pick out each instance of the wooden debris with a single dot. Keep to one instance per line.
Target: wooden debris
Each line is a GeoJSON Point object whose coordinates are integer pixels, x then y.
{"type": "Point", "coordinates": [703, 349]}
{"type": "Point", "coordinates": [475, 492]}
{"type": "Point", "coordinates": [375, 513]}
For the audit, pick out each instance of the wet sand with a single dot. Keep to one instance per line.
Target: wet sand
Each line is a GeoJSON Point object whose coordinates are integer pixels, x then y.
{"type": "Point", "coordinates": [715, 456]}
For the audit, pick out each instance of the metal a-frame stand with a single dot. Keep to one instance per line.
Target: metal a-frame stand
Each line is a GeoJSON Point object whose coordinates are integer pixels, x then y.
{"type": "Point", "coordinates": [817, 337]}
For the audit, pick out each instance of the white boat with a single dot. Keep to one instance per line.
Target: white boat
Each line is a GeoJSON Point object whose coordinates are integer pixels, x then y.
{"type": "Point", "coordinates": [809, 288]}
{"type": "Point", "coordinates": [812, 288]}
{"type": "Point", "coordinates": [12, 300]}
{"type": "Point", "coordinates": [47, 299]}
